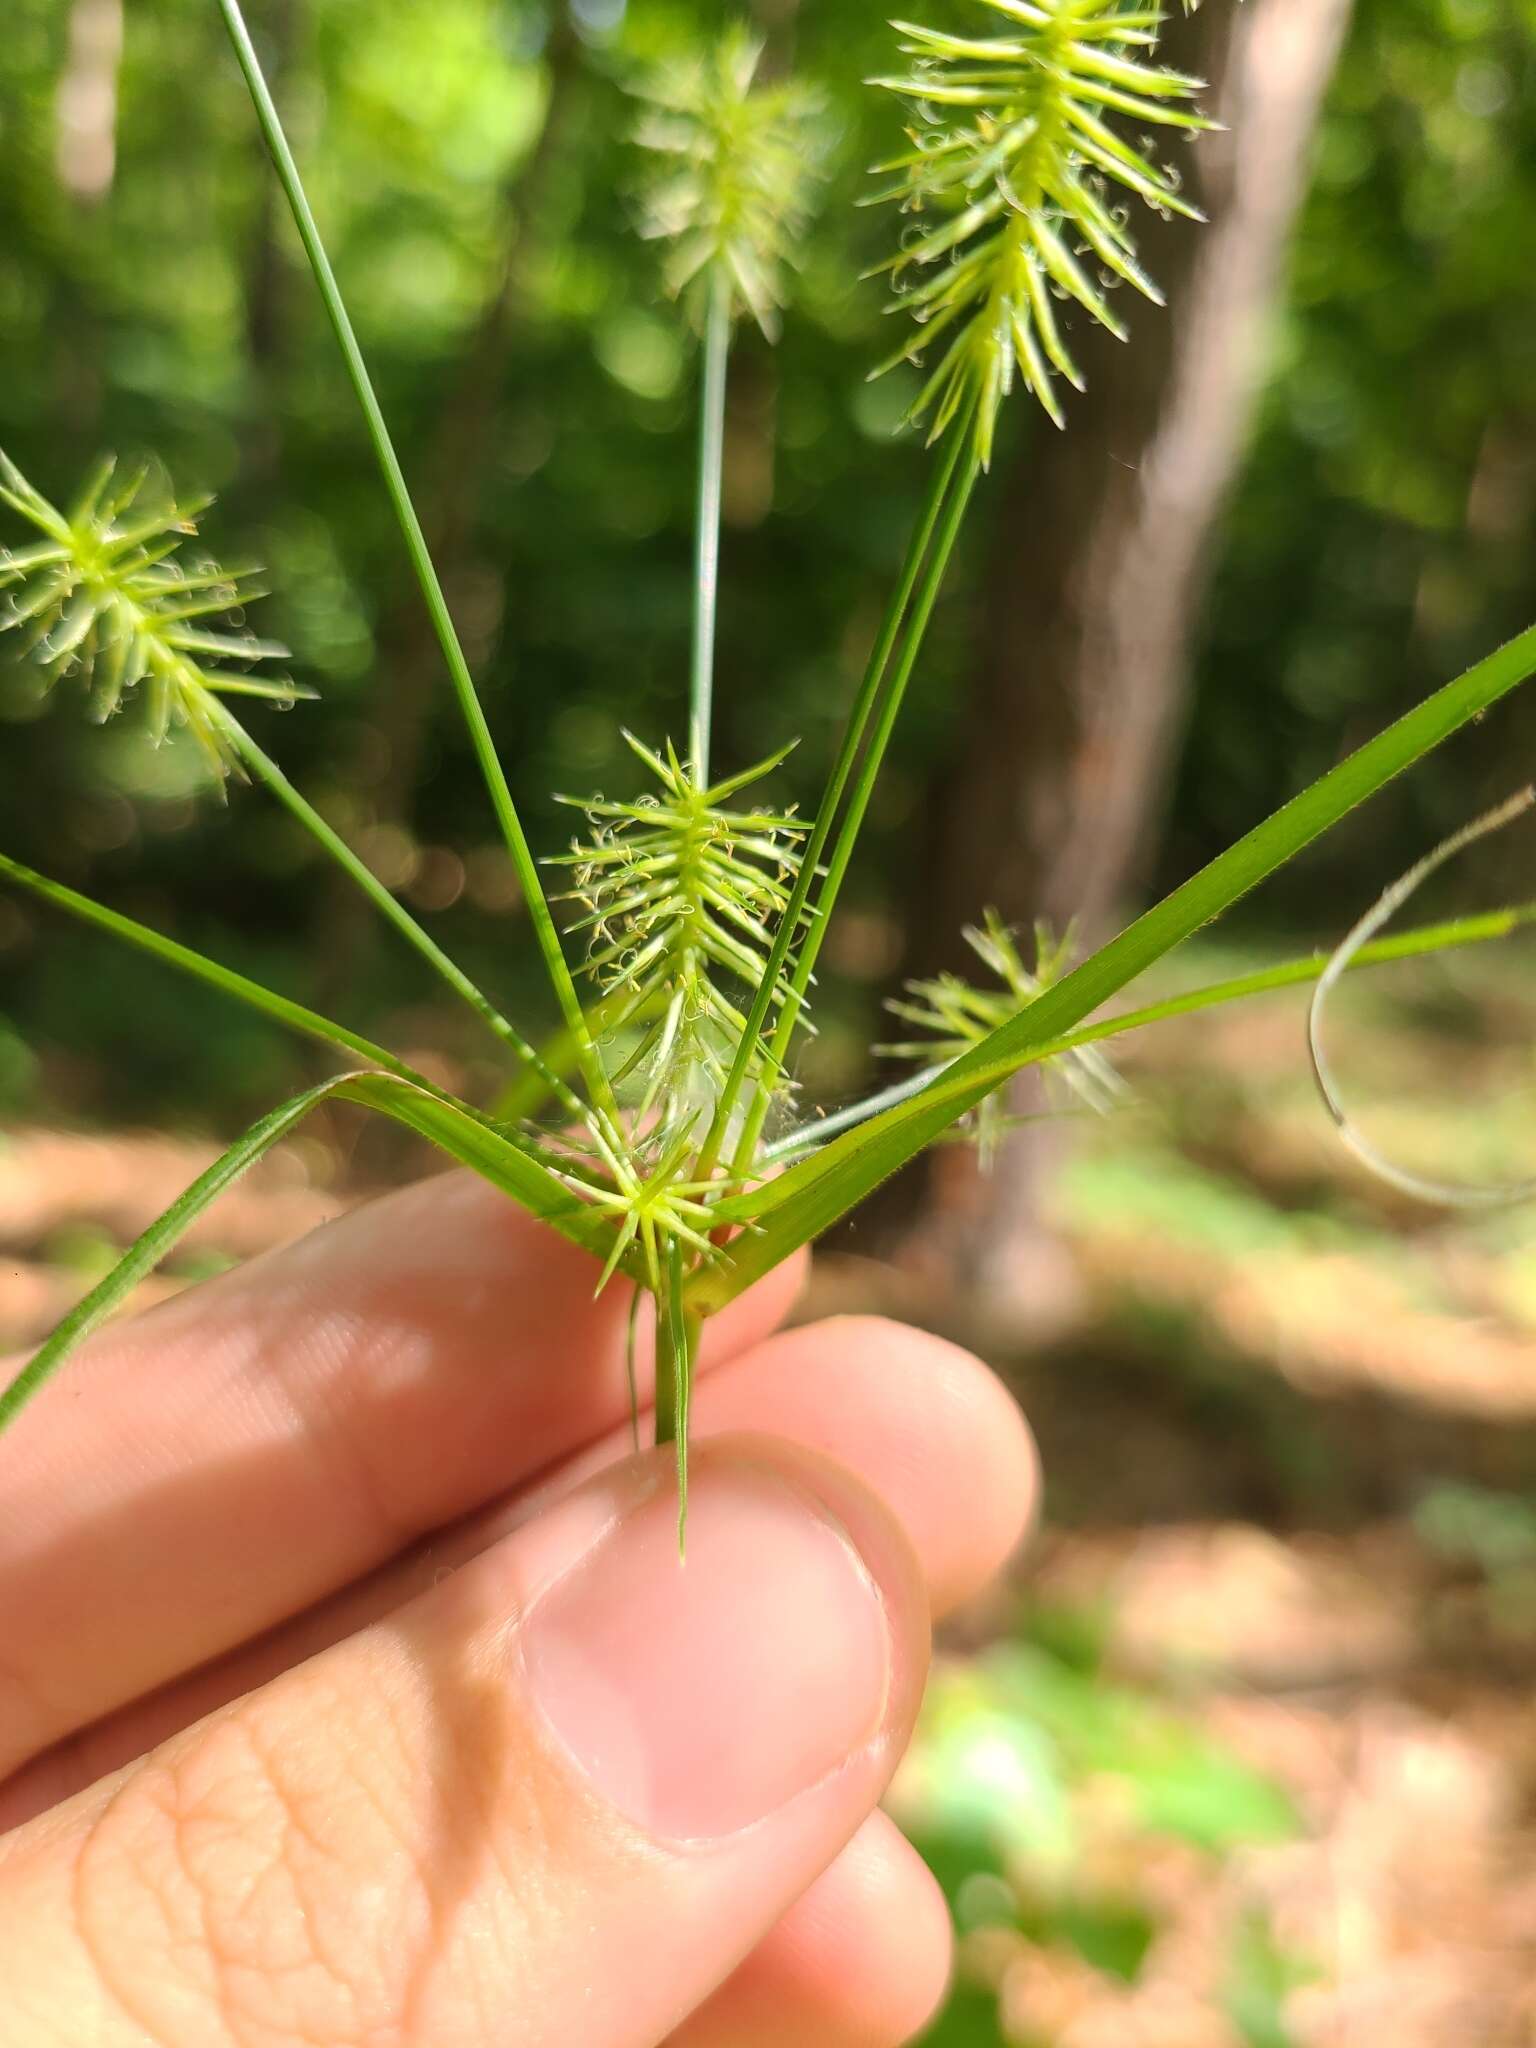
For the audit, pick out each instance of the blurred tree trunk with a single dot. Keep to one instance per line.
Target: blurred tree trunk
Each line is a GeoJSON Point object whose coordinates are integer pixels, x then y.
{"type": "Point", "coordinates": [85, 108]}
{"type": "Point", "coordinates": [1099, 578]}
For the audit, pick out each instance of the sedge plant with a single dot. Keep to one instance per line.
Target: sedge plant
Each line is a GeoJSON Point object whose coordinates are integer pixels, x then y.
{"type": "Point", "coordinates": [661, 1131]}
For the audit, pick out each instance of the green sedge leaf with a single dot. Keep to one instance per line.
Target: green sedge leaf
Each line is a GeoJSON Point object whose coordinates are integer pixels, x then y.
{"type": "Point", "coordinates": [225, 979]}
{"type": "Point", "coordinates": [796, 1208]}
{"type": "Point", "coordinates": [507, 1163]}
{"type": "Point", "coordinates": [160, 1238]}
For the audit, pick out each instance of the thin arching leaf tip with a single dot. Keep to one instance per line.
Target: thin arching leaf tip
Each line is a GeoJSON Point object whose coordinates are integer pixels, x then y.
{"type": "Point", "coordinates": [1423, 1188]}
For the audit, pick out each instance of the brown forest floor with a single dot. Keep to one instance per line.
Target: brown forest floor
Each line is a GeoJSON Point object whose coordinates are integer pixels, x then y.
{"type": "Point", "coordinates": [1257, 1433]}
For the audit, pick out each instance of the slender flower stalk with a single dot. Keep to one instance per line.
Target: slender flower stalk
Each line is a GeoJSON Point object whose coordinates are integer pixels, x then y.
{"type": "Point", "coordinates": [828, 809]}
{"type": "Point", "coordinates": [704, 911]}
{"type": "Point", "coordinates": [706, 565]}
{"type": "Point", "coordinates": [399, 495]}
{"type": "Point", "coordinates": [735, 161]}
{"type": "Point", "coordinates": [886, 700]}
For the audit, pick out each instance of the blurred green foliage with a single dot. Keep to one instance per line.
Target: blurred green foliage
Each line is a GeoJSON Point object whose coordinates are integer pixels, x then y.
{"type": "Point", "coordinates": [150, 298]}
{"type": "Point", "coordinates": [1035, 1785]}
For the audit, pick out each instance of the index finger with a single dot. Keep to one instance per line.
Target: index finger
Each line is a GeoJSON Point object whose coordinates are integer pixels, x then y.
{"type": "Point", "coordinates": [206, 1470]}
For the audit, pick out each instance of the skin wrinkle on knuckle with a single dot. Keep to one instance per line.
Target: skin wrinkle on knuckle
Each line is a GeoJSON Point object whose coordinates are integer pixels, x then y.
{"type": "Point", "coordinates": [123, 1874]}
{"type": "Point", "coordinates": [232, 1895]}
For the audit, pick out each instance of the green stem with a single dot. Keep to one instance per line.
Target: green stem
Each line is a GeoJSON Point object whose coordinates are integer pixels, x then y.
{"type": "Point", "coordinates": [416, 547]}
{"type": "Point", "coordinates": [832, 796]}
{"type": "Point", "coordinates": [1426, 939]}
{"type": "Point", "coordinates": [677, 1342]}
{"type": "Point", "coordinates": [266, 770]}
{"type": "Point", "coordinates": [666, 1377]}
{"type": "Point", "coordinates": [706, 560]}
{"type": "Point", "coordinates": [890, 701]}
{"type": "Point", "coordinates": [225, 979]}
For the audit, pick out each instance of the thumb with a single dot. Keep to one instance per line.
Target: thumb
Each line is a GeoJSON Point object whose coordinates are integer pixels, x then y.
{"type": "Point", "coordinates": [557, 1798]}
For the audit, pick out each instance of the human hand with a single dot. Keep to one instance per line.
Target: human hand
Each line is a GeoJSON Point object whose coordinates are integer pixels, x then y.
{"type": "Point", "coordinates": [352, 1690]}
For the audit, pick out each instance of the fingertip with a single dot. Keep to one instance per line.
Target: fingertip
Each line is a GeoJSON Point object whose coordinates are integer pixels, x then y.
{"type": "Point", "coordinates": [861, 1960]}
{"type": "Point", "coordinates": [880, 1922]}
{"type": "Point", "coordinates": [927, 1424]}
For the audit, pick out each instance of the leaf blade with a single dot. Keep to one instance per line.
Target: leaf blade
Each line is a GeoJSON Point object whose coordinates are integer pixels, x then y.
{"type": "Point", "coordinates": [814, 1194]}
{"type": "Point", "coordinates": [511, 1164]}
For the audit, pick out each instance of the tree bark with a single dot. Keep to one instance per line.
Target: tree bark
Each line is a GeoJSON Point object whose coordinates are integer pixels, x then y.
{"type": "Point", "coordinates": [1102, 566]}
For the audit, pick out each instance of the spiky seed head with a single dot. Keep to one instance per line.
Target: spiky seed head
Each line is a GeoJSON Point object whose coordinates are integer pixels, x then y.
{"type": "Point", "coordinates": [1017, 182]}
{"type": "Point", "coordinates": [681, 892]}
{"type": "Point", "coordinates": [106, 596]}
{"type": "Point", "coordinates": [954, 1016]}
{"type": "Point", "coordinates": [737, 164]}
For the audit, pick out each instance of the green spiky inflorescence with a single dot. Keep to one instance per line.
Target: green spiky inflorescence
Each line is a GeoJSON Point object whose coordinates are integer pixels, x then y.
{"type": "Point", "coordinates": [692, 908]}
{"type": "Point", "coordinates": [954, 1016]}
{"type": "Point", "coordinates": [738, 163]}
{"type": "Point", "coordinates": [680, 891]}
{"type": "Point", "coordinates": [1012, 175]}
{"type": "Point", "coordinates": [103, 595]}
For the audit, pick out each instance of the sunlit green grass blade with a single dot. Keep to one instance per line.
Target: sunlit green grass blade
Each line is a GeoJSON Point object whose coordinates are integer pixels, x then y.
{"type": "Point", "coordinates": [294, 1016]}
{"type": "Point", "coordinates": [160, 1238]}
{"type": "Point", "coordinates": [510, 1161]}
{"type": "Point", "coordinates": [509, 1165]}
{"type": "Point", "coordinates": [1451, 936]}
{"type": "Point", "coordinates": [1447, 937]}
{"type": "Point", "coordinates": [513, 1163]}
{"type": "Point", "coordinates": [811, 1196]}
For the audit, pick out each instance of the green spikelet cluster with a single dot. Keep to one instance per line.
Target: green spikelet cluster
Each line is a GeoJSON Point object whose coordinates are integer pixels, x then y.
{"type": "Point", "coordinates": [954, 1016]}
{"type": "Point", "coordinates": [104, 596]}
{"type": "Point", "coordinates": [1016, 177]}
{"type": "Point", "coordinates": [738, 164]}
{"type": "Point", "coordinates": [679, 893]}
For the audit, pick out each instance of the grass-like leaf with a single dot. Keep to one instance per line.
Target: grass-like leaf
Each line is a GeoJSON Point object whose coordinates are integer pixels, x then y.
{"type": "Point", "coordinates": [281, 1009]}
{"type": "Point", "coordinates": [811, 1196]}
{"type": "Point", "coordinates": [507, 1162]}
{"type": "Point", "coordinates": [1448, 936]}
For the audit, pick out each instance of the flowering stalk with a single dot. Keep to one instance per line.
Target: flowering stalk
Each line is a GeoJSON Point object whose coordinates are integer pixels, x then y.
{"type": "Point", "coordinates": [703, 912]}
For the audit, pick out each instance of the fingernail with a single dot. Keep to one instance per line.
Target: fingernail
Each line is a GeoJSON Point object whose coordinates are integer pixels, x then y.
{"type": "Point", "coordinates": [699, 1694]}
